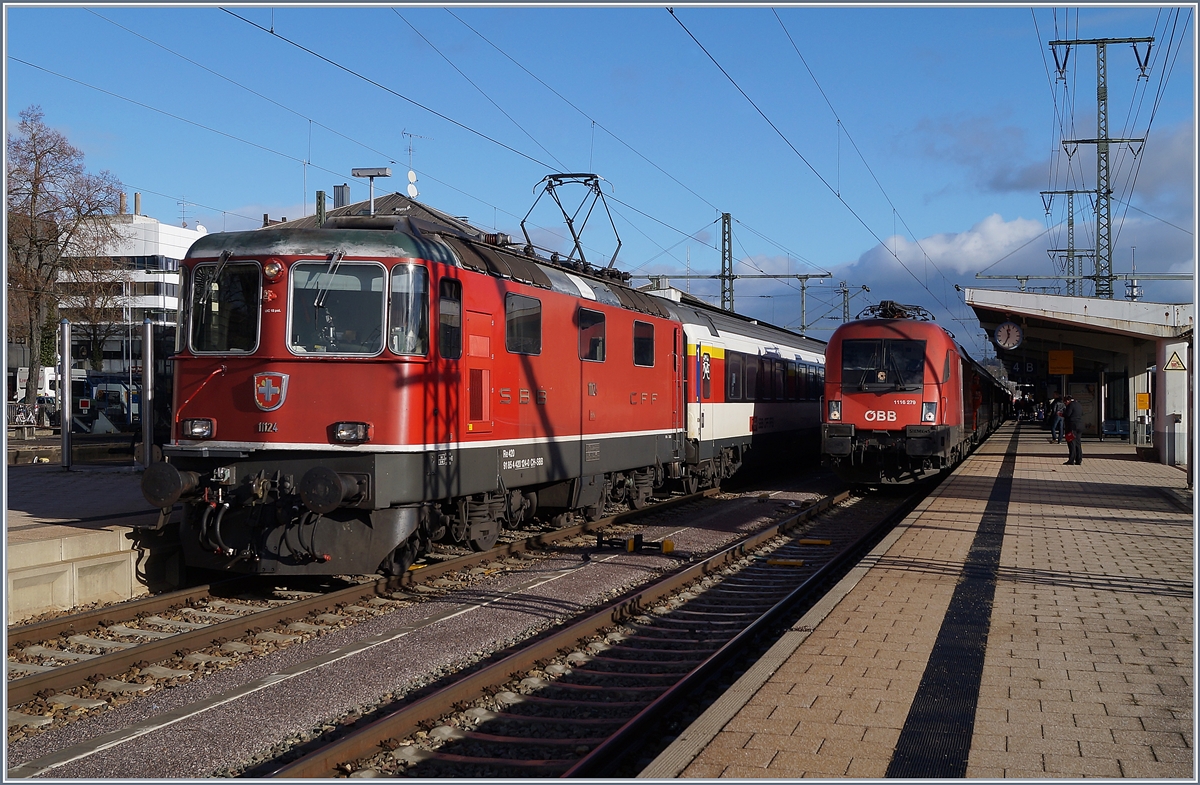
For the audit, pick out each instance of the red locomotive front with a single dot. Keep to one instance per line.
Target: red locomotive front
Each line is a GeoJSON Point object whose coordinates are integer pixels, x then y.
{"type": "Point", "coordinates": [346, 396]}
{"type": "Point", "coordinates": [902, 399]}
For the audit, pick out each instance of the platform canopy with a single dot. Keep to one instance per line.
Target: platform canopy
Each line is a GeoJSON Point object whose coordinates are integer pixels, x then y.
{"type": "Point", "coordinates": [1147, 343]}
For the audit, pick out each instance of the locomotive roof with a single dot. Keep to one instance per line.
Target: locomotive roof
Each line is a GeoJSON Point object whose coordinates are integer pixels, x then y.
{"type": "Point", "coordinates": [404, 236]}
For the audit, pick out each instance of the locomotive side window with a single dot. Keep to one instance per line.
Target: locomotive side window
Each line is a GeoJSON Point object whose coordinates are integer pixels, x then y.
{"type": "Point", "coordinates": [946, 367]}
{"type": "Point", "coordinates": [224, 307]}
{"type": "Point", "coordinates": [591, 335]}
{"type": "Point", "coordinates": [181, 316]}
{"type": "Point", "coordinates": [337, 308]}
{"type": "Point", "coordinates": [643, 344]}
{"type": "Point", "coordinates": [733, 363]}
{"type": "Point", "coordinates": [522, 324]}
{"type": "Point", "coordinates": [450, 319]}
{"type": "Point", "coordinates": [408, 330]}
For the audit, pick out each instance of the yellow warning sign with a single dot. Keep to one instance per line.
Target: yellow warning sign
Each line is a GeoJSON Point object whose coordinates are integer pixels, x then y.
{"type": "Point", "coordinates": [1062, 362]}
{"type": "Point", "coordinates": [1143, 401]}
{"type": "Point", "coordinates": [1174, 364]}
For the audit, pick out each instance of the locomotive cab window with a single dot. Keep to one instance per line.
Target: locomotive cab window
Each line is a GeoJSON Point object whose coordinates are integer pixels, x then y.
{"type": "Point", "coordinates": [450, 319]}
{"type": "Point", "coordinates": [522, 324]}
{"type": "Point", "coordinates": [643, 344]}
{"type": "Point", "coordinates": [889, 364]}
{"type": "Point", "coordinates": [591, 335]}
{"type": "Point", "coordinates": [408, 330]}
{"type": "Point", "coordinates": [224, 307]}
{"type": "Point", "coordinates": [337, 308]}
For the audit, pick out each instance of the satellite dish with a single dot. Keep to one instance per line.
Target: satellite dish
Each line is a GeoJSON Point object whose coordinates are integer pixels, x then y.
{"type": "Point", "coordinates": [412, 191]}
{"type": "Point", "coordinates": [412, 176]}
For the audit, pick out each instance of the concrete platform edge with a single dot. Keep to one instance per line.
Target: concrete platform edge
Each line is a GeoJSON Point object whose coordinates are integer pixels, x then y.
{"type": "Point", "coordinates": [696, 737]}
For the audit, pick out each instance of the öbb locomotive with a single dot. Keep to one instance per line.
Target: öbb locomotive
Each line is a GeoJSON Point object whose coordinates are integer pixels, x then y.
{"type": "Point", "coordinates": [346, 395]}
{"type": "Point", "coordinates": [903, 400]}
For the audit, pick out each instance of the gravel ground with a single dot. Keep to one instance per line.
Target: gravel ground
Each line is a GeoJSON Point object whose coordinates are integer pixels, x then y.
{"type": "Point", "coordinates": [235, 718]}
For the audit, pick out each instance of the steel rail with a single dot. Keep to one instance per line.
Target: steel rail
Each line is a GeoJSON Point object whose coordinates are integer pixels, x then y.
{"type": "Point", "coordinates": [26, 689]}
{"type": "Point", "coordinates": [604, 758]}
{"type": "Point", "coordinates": [87, 620]}
{"type": "Point", "coordinates": [364, 741]}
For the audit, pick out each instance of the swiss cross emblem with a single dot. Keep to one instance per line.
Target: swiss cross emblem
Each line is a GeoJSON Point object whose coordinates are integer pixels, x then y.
{"type": "Point", "coordinates": [269, 390]}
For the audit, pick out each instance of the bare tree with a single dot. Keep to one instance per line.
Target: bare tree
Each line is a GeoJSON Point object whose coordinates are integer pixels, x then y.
{"type": "Point", "coordinates": [94, 299]}
{"type": "Point", "coordinates": [57, 219]}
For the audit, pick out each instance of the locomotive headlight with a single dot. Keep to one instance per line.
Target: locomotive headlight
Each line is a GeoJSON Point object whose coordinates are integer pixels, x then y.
{"type": "Point", "coordinates": [199, 428]}
{"type": "Point", "coordinates": [351, 432]}
{"type": "Point", "coordinates": [273, 269]}
{"type": "Point", "coordinates": [929, 412]}
{"type": "Point", "coordinates": [835, 411]}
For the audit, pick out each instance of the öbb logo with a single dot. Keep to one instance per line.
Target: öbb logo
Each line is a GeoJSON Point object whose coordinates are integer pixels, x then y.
{"type": "Point", "coordinates": [878, 415]}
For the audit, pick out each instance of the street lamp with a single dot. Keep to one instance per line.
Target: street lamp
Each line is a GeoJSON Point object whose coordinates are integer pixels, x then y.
{"type": "Point", "coordinates": [371, 173]}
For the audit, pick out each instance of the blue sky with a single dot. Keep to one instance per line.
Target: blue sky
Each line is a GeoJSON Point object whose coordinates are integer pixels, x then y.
{"type": "Point", "coordinates": [868, 133]}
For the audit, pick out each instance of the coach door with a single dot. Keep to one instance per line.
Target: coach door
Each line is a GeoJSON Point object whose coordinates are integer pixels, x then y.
{"type": "Point", "coordinates": [478, 372]}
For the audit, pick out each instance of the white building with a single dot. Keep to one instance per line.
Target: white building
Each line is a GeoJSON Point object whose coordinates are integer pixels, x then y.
{"type": "Point", "coordinates": [147, 256]}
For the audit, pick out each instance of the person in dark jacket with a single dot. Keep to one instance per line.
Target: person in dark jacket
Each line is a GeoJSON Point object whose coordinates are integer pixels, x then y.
{"type": "Point", "coordinates": [1073, 420]}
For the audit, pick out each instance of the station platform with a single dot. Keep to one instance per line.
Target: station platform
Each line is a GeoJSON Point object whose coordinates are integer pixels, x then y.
{"type": "Point", "coordinates": [1027, 620]}
{"type": "Point", "coordinates": [68, 539]}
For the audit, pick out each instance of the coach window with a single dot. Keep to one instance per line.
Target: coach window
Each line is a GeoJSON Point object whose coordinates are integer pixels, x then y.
{"type": "Point", "coordinates": [733, 364]}
{"type": "Point", "coordinates": [780, 380]}
{"type": "Point", "coordinates": [337, 308]}
{"type": "Point", "coordinates": [408, 332]}
{"type": "Point", "coordinates": [522, 324]}
{"type": "Point", "coordinates": [751, 378]}
{"type": "Point", "coordinates": [643, 344]}
{"type": "Point", "coordinates": [450, 319]}
{"type": "Point", "coordinates": [791, 381]}
{"type": "Point", "coordinates": [591, 335]}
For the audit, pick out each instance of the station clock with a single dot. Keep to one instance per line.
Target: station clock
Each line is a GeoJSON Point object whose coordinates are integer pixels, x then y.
{"type": "Point", "coordinates": [1009, 335]}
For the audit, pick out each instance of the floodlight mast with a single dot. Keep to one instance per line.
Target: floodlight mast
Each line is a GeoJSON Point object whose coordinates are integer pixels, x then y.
{"type": "Point", "coordinates": [371, 173]}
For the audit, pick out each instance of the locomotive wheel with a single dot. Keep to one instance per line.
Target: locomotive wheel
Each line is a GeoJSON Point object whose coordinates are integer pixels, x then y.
{"type": "Point", "coordinates": [691, 484]}
{"type": "Point", "coordinates": [639, 498]}
{"type": "Point", "coordinates": [483, 535]}
{"type": "Point", "coordinates": [403, 557]}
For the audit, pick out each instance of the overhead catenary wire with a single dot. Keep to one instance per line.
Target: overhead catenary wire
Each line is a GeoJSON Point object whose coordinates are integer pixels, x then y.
{"type": "Point", "coordinates": [596, 124]}
{"type": "Point", "coordinates": [806, 162]}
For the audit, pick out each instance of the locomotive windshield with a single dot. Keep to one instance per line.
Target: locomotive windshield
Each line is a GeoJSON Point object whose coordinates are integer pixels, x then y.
{"type": "Point", "coordinates": [337, 308]}
{"type": "Point", "coordinates": [883, 365]}
{"type": "Point", "coordinates": [224, 307]}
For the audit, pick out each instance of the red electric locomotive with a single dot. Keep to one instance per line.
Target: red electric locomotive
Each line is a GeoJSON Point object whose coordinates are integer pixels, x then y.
{"type": "Point", "coordinates": [348, 394]}
{"type": "Point", "coordinates": [903, 400]}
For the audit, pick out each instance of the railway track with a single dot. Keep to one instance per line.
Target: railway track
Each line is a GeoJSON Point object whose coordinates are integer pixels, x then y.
{"type": "Point", "coordinates": [573, 702]}
{"type": "Point", "coordinates": [112, 648]}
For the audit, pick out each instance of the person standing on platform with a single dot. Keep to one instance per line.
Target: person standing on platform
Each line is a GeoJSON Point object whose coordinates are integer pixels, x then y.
{"type": "Point", "coordinates": [1056, 420]}
{"type": "Point", "coordinates": [1073, 421]}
